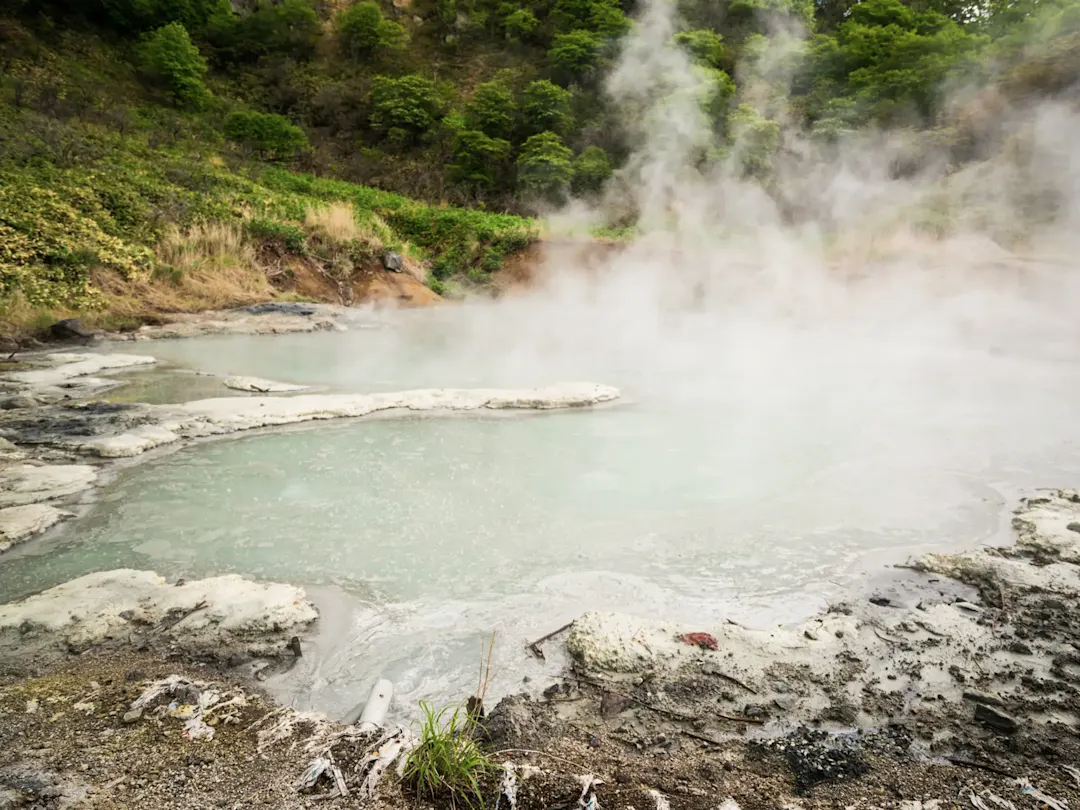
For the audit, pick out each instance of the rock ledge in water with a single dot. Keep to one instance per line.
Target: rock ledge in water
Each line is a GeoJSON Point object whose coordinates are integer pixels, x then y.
{"type": "Point", "coordinates": [214, 417]}
{"type": "Point", "coordinates": [17, 523]}
{"type": "Point", "coordinates": [259, 386]}
{"type": "Point", "coordinates": [215, 616]}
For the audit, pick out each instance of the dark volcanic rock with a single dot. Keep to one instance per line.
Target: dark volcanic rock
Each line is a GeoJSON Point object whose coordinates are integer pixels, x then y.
{"type": "Point", "coordinates": [70, 329]}
{"type": "Point", "coordinates": [612, 703]}
{"type": "Point", "coordinates": [519, 721]}
{"type": "Point", "coordinates": [995, 719]}
{"type": "Point", "coordinates": [393, 262]}
{"type": "Point", "coordinates": [281, 308]}
{"type": "Point", "coordinates": [815, 756]}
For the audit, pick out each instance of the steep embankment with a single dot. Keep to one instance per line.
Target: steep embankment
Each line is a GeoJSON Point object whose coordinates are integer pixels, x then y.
{"type": "Point", "coordinates": [122, 211]}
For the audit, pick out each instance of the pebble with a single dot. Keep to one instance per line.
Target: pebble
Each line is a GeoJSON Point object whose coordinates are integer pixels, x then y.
{"type": "Point", "coordinates": [133, 716]}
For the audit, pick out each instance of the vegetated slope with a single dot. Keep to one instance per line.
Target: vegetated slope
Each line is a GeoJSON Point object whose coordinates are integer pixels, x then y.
{"type": "Point", "coordinates": [154, 154]}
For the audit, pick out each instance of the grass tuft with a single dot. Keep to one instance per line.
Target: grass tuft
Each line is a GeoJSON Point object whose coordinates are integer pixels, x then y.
{"type": "Point", "coordinates": [449, 763]}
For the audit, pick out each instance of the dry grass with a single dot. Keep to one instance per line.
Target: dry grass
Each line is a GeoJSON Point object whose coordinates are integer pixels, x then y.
{"type": "Point", "coordinates": [213, 267]}
{"type": "Point", "coordinates": [337, 221]}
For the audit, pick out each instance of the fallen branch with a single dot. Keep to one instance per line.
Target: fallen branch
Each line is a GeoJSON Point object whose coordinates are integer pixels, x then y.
{"type": "Point", "coordinates": [534, 647]}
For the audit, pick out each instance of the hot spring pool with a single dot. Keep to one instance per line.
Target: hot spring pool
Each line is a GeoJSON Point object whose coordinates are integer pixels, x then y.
{"type": "Point", "coordinates": [754, 470]}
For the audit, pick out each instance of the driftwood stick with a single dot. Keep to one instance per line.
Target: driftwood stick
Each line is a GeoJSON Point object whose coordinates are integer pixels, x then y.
{"type": "Point", "coordinates": [534, 647]}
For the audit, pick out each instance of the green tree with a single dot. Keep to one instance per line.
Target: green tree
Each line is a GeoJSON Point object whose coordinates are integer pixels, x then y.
{"type": "Point", "coordinates": [265, 133]}
{"type": "Point", "coordinates": [364, 31]}
{"type": "Point", "coordinates": [141, 15]}
{"type": "Point", "coordinates": [755, 140]}
{"type": "Point", "coordinates": [478, 158]}
{"type": "Point", "coordinates": [891, 57]}
{"type": "Point", "coordinates": [520, 25]}
{"type": "Point", "coordinates": [604, 17]}
{"type": "Point", "coordinates": [576, 54]}
{"type": "Point", "coordinates": [290, 27]}
{"type": "Point", "coordinates": [491, 110]}
{"type": "Point", "coordinates": [168, 58]}
{"type": "Point", "coordinates": [591, 168]}
{"type": "Point", "coordinates": [544, 167]}
{"type": "Point", "coordinates": [704, 45]}
{"type": "Point", "coordinates": [404, 107]}
{"type": "Point", "coordinates": [546, 107]}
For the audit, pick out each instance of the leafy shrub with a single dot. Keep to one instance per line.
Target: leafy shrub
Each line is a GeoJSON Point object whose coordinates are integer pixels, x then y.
{"type": "Point", "coordinates": [491, 110]}
{"type": "Point", "coordinates": [576, 54]}
{"type": "Point", "coordinates": [168, 58]}
{"type": "Point", "coordinates": [520, 25]}
{"type": "Point", "coordinates": [545, 107]}
{"type": "Point", "coordinates": [591, 168]}
{"type": "Point", "coordinates": [364, 31]}
{"type": "Point", "coordinates": [265, 133]}
{"type": "Point", "coordinates": [289, 237]}
{"type": "Point", "coordinates": [409, 104]}
{"type": "Point", "coordinates": [476, 158]}
{"type": "Point", "coordinates": [50, 242]}
{"type": "Point", "coordinates": [704, 45]}
{"type": "Point", "coordinates": [544, 166]}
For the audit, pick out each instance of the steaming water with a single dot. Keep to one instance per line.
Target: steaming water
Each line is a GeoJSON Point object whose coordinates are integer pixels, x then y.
{"type": "Point", "coordinates": [756, 468]}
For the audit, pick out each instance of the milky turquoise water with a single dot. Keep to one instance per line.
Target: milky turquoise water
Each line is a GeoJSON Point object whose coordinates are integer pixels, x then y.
{"type": "Point", "coordinates": [754, 470]}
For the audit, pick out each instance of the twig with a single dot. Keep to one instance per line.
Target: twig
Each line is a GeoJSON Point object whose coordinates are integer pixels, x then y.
{"type": "Point", "coordinates": [736, 718]}
{"type": "Point", "coordinates": [534, 647]}
{"type": "Point", "coordinates": [736, 681]}
{"type": "Point", "coordinates": [168, 623]}
{"type": "Point", "coordinates": [583, 768]}
{"type": "Point", "coordinates": [969, 763]}
{"type": "Point", "coordinates": [702, 737]}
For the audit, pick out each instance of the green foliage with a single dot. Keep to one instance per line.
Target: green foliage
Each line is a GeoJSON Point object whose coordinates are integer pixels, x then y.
{"type": "Point", "coordinates": [718, 89]}
{"type": "Point", "coordinates": [546, 107]}
{"type": "Point", "coordinates": [756, 140]}
{"type": "Point", "coordinates": [491, 110]}
{"type": "Point", "coordinates": [364, 31]}
{"type": "Point", "coordinates": [520, 25]}
{"type": "Point", "coordinates": [289, 27]}
{"type": "Point", "coordinates": [704, 45]}
{"type": "Point", "coordinates": [286, 236]}
{"type": "Point", "coordinates": [477, 158]}
{"type": "Point", "coordinates": [141, 15]}
{"type": "Point", "coordinates": [575, 55]}
{"type": "Point", "coordinates": [891, 57]}
{"type": "Point", "coordinates": [409, 105]}
{"type": "Point", "coordinates": [266, 133]}
{"type": "Point", "coordinates": [50, 241]}
{"type": "Point", "coordinates": [544, 166]}
{"type": "Point", "coordinates": [448, 764]}
{"type": "Point", "coordinates": [591, 168]}
{"type": "Point", "coordinates": [168, 58]}
{"type": "Point", "coordinates": [604, 17]}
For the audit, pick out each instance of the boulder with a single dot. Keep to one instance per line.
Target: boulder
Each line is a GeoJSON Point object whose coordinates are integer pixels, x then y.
{"type": "Point", "coordinates": [70, 329]}
{"type": "Point", "coordinates": [393, 262]}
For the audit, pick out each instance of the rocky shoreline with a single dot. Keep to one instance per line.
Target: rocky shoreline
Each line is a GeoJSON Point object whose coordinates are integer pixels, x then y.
{"type": "Point", "coordinates": [956, 684]}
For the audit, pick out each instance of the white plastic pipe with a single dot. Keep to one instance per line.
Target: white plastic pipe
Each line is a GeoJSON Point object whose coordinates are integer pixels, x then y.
{"type": "Point", "coordinates": [374, 712]}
